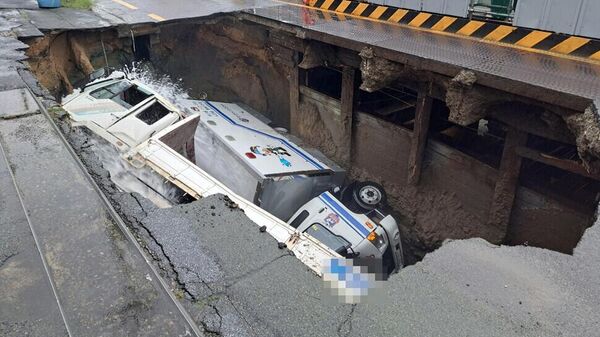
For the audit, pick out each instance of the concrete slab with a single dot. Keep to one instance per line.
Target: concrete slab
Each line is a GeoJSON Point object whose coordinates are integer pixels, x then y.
{"type": "Point", "coordinates": [65, 19]}
{"type": "Point", "coordinates": [16, 103]}
{"type": "Point", "coordinates": [27, 303]}
{"type": "Point", "coordinates": [25, 4]}
{"type": "Point", "coordinates": [104, 285]}
{"type": "Point", "coordinates": [10, 79]}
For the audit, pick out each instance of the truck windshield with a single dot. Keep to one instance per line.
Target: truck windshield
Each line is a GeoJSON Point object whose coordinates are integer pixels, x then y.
{"type": "Point", "coordinates": [321, 233]}
{"type": "Point", "coordinates": [122, 92]}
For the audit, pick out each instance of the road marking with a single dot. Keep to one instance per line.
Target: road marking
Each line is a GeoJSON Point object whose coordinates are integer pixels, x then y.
{"type": "Point", "coordinates": [125, 4]}
{"type": "Point", "coordinates": [444, 23]}
{"type": "Point", "coordinates": [360, 8]}
{"type": "Point", "coordinates": [570, 45]}
{"type": "Point", "coordinates": [527, 43]}
{"type": "Point", "coordinates": [499, 33]}
{"type": "Point", "coordinates": [156, 17]}
{"type": "Point", "coordinates": [378, 12]}
{"type": "Point", "coordinates": [419, 19]}
{"type": "Point", "coordinates": [595, 56]}
{"type": "Point", "coordinates": [470, 28]}
{"type": "Point", "coordinates": [342, 7]}
{"type": "Point", "coordinates": [398, 15]}
{"type": "Point", "coordinates": [327, 4]}
{"type": "Point", "coordinates": [533, 38]}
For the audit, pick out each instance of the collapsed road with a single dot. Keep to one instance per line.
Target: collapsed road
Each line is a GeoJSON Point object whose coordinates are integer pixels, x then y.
{"type": "Point", "coordinates": [59, 241]}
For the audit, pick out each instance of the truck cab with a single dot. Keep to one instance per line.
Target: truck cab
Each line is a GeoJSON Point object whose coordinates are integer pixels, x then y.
{"type": "Point", "coordinates": [371, 235]}
{"type": "Point", "coordinates": [123, 111]}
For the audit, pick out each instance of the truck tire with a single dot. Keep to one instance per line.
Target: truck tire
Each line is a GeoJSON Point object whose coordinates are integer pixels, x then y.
{"type": "Point", "coordinates": [369, 195]}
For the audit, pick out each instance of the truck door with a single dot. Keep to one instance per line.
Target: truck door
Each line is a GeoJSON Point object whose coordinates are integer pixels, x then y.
{"type": "Point", "coordinates": [143, 122]}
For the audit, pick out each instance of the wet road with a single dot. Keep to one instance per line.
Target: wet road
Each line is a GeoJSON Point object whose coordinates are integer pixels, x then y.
{"type": "Point", "coordinates": [103, 285]}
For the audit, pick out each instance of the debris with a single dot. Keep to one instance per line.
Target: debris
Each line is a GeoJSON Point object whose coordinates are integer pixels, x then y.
{"type": "Point", "coordinates": [377, 72]}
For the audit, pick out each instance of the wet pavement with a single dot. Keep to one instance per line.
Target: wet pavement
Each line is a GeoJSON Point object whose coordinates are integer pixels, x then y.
{"type": "Point", "coordinates": [102, 282]}
{"type": "Point", "coordinates": [27, 301]}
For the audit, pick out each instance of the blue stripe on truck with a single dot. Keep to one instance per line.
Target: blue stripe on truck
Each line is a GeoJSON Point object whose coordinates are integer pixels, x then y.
{"type": "Point", "coordinates": [290, 145]}
{"type": "Point", "coordinates": [341, 211]}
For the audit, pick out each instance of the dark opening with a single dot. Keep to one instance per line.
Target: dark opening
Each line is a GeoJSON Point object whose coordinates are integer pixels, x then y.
{"type": "Point", "coordinates": [133, 96]}
{"type": "Point", "coordinates": [483, 140]}
{"type": "Point", "coordinates": [395, 105]}
{"type": "Point", "coordinates": [141, 48]}
{"type": "Point", "coordinates": [576, 191]}
{"type": "Point", "coordinates": [122, 92]}
{"type": "Point", "coordinates": [327, 81]}
{"type": "Point", "coordinates": [153, 113]}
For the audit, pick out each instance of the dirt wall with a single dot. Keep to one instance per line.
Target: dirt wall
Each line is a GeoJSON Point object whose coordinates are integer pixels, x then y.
{"type": "Point", "coordinates": [229, 61]}
{"type": "Point", "coordinates": [321, 125]}
{"type": "Point", "coordinates": [540, 221]}
{"type": "Point", "coordinates": [61, 60]}
{"type": "Point", "coordinates": [452, 198]}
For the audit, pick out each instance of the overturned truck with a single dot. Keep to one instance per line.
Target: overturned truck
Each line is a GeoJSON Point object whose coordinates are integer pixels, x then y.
{"type": "Point", "coordinates": [300, 198]}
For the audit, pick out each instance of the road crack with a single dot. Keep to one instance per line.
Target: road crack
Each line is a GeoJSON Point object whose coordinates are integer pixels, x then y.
{"type": "Point", "coordinates": [6, 258]}
{"type": "Point", "coordinates": [346, 323]}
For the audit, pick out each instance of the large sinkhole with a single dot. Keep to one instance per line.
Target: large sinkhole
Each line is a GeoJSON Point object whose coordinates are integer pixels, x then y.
{"type": "Point", "coordinates": [475, 178]}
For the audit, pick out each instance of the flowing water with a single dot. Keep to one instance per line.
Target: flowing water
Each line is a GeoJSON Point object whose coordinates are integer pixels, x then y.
{"type": "Point", "coordinates": [128, 178]}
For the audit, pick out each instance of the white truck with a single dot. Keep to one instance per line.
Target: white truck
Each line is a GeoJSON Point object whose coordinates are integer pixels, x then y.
{"type": "Point", "coordinates": [210, 147]}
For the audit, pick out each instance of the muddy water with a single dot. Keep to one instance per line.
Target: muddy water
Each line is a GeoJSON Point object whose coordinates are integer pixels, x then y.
{"type": "Point", "coordinates": [130, 179]}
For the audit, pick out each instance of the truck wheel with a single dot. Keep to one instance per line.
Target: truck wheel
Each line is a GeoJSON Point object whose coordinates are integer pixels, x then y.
{"type": "Point", "coordinates": [369, 195]}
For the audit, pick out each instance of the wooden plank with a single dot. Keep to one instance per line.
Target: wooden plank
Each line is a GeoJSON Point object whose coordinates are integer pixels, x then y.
{"type": "Point", "coordinates": [506, 185]}
{"type": "Point", "coordinates": [563, 164]}
{"type": "Point", "coordinates": [347, 110]}
{"type": "Point", "coordinates": [294, 100]}
{"type": "Point", "coordinates": [419, 134]}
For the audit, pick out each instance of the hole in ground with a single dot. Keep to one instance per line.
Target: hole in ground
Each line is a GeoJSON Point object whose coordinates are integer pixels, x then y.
{"type": "Point", "coordinates": [234, 61]}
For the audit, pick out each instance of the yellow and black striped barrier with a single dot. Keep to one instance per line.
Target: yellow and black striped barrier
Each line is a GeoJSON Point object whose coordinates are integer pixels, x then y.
{"type": "Point", "coordinates": [493, 32]}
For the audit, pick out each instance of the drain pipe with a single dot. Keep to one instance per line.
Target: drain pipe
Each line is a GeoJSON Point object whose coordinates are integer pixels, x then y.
{"type": "Point", "coordinates": [132, 41]}
{"type": "Point", "coordinates": [103, 50]}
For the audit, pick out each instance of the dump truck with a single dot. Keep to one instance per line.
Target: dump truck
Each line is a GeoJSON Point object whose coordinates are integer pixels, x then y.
{"type": "Point", "coordinates": [301, 198]}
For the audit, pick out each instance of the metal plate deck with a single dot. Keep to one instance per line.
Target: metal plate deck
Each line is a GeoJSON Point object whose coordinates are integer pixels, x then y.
{"type": "Point", "coordinates": [564, 75]}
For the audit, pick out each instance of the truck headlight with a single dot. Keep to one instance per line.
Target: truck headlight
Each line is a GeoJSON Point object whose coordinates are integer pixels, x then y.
{"type": "Point", "coordinates": [376, 239]}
